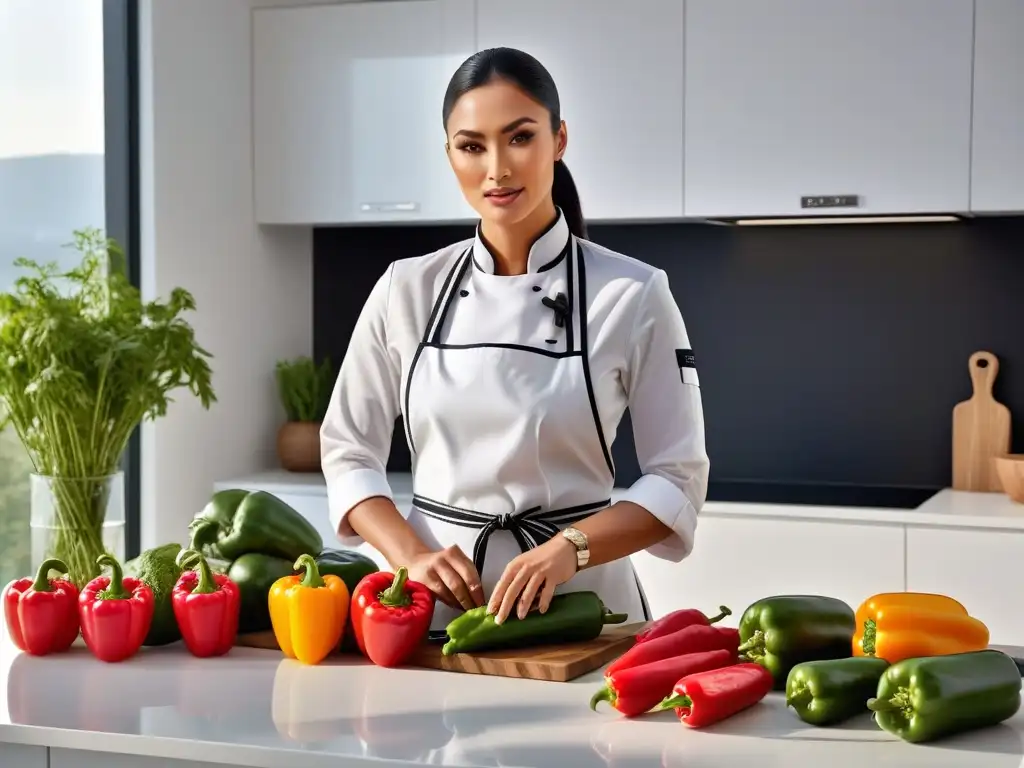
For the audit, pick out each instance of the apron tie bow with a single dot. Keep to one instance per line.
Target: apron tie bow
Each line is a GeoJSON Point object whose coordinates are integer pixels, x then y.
{"type": "Point", "coordinates": [531, 527]}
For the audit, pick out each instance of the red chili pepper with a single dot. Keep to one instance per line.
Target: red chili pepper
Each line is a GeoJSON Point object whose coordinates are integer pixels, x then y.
{"type": "Point", "coordinates": [677, 620]}
{"type": "Point", "coordinates": [693, 639]}
{"type": "Point", "coordinates": [390, 616]}
{"type": "Point", "coordinates": [707, 697]}
{"type": "Point", "coordinates": [635, 690]}
{"type": "Point", "coordinates": [206, 606]}
{"type": "Point", "coordinates": [42, 615]}
{"type": "Point", "coordinates": [115, 613]}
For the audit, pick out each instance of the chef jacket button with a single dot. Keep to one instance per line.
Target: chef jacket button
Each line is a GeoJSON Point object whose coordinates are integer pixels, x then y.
{"type": "Point", "coordinates": [536, 289]}
{"type": "Point", "coordinates": [463, 293]}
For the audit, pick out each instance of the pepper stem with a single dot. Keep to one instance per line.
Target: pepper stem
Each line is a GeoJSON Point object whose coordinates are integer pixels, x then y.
{"type": "Point", "coordinates": [191, 558]}
{"type": "Point", "coordinates": [604, 693]}
{"type": "Point", "coordinates": [395, 595]}
{"type": "Point", "coordinates": [724, 612]}
{"type": "Point", "coordinates": [671, 702]}
{"type": "Point", "coordinates": [312, 578]}
{"type": "Point", "coordinates": [42, 583]}
{"type": "Point", "coordinates": [900, 700]}
{"type": "Point", "coordinates": [754, 649]}
{"type": "Point", "coordinates": [867, 644]}
{"type": "Point", "coordinates": [614, 618]}
{"type": "Point", "coordinates": [801, 697]}
{"type": "Point", "coordinates": [115, 590]}
{"type": "Point", "coordinates": [185, 558]}
{"type": "Point", "coordinates": [200, 531]}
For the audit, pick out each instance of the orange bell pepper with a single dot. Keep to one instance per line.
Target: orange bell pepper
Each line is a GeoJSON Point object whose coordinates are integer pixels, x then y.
{"type": "Point", "coordinates": [308, 612]}
{"type": "Point", "coordinates": [901, 625]}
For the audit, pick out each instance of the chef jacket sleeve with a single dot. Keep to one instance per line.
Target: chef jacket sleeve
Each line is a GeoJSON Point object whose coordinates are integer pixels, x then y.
{"type": "Point", "coordinates": [355, 438]}
{"type": "Point", "coordinates": [668, 421]}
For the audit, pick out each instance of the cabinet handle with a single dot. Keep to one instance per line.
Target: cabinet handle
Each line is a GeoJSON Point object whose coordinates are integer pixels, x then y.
{"type": "Point", "coordinates": [830, 201]}
{"type": "Point", "coordinates": [389, 207]}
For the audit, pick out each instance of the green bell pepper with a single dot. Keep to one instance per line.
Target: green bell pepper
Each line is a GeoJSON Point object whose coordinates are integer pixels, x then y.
{"type": "Point", "coordinates": [829, 691]}
{"type": "Point", "coordinates": [780, 632]}
{"type": "Point", "coordinates": [351, 567]}
{"type": "Point", "coordinates": [930, 697]}
{"type": "Point", "coordinates": [348, 565]}
{"type": "Point", "coordinates": [571, 617]}
{"type": "Point", "coordinates": [236, 522]}
{"type": "Point", "coordinates": [255, 573]}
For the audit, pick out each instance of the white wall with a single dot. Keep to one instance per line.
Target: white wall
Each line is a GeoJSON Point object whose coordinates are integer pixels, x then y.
{"type": "Point", "coordinates": [253, 286]}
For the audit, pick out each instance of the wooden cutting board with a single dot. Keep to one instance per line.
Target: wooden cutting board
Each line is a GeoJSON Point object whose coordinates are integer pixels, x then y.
{"type": "Point", "coordinates": [265, 640]}
{"type": "Point", "coordinates": [557, 663]}
{"type": "Point", "coordinates": [981, 429]}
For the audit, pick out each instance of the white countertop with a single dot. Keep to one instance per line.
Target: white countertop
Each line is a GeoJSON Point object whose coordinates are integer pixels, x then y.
{"type": "Point", "coordinates": [947, 508]}
{"type": "Point", "coordinates": [255, 708]}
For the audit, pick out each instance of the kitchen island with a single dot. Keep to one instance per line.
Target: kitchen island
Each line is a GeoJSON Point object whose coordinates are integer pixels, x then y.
{"type": "Point", "coordinates": [164, 708]}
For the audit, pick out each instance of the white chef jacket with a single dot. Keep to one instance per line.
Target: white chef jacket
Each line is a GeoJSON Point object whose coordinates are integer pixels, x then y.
{"type": "Point", "coordinates": [510, 389]}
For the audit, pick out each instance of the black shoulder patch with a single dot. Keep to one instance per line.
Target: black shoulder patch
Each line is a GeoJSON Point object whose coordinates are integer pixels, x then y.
{"type": "Point", "coordinates": [685, 359]}
{"type": "Point", "coordinates": [687, 367]}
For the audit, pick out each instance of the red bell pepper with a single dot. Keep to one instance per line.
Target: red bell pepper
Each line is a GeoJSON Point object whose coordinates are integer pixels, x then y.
{"type": "Point", "coordinates": [677, 620]}
{"type": "Point", "coordinates": [42, 615]}
{"type": "Point", "coordinates": [693, 639]}
{"type": "Point", "coordinates": [707, 697]}
{"type": "Point", "coordinates": [206, 607]}
{"type": "Point", "coordinates": [635, 690]}
{"type": "Point", "coordinates": [390, 616]}
{"type": "Point", "coordinates": [115, 612]}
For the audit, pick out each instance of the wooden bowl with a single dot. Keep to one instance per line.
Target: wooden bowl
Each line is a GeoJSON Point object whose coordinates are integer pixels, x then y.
{"type": "Point", "coordinates": [1010, 468]}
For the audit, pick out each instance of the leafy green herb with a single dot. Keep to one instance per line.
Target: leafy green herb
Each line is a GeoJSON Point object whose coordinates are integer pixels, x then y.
{"type": "Point", "coordinates": [304, 388]}
{"type": "Point", "coordinates": [83, 361]}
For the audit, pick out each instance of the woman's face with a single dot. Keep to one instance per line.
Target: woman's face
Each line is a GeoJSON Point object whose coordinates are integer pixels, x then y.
{"type": "Point", "coordinates": [503, 151]}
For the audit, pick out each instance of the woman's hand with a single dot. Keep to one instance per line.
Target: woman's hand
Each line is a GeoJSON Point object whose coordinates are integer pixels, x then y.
{"type": "Point", "coordinates": [533, 576]}
{"type": "Point", "coordinates": [450, 575]}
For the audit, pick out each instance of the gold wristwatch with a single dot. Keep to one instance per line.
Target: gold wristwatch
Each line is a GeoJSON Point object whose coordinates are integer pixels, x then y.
{"type": "Point", "coordinates": [579, 540]}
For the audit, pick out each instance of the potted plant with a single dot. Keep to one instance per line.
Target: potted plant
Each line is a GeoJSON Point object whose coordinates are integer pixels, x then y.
{"type": "Point", "coordinates": [305, 389]}
{"type": "Point", "coordinates": [83, 360]}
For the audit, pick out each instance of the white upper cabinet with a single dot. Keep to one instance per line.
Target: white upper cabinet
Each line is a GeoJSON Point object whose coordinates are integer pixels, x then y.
{"type": "Point", "coordinates": [794, 99]}
{"type": "Point", "coordinates": [618, 67]}
{"type": "Point", "coordinates": [997, 161]}
{"type": "Point", "coordinates": [347, 111]}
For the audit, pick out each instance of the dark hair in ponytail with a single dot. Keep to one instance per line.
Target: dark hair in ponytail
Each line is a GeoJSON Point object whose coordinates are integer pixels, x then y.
{"type": "Point", "coordinates": [524, 71]}
{"type": "Point", "coordinates": [563, 191]}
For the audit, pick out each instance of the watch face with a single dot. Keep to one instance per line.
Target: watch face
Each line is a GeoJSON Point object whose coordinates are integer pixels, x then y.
{"type": "Point", "coordinates": [576, 538]}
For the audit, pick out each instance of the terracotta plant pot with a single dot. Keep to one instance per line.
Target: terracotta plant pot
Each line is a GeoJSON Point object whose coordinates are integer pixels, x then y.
{"type": "Point", "coordinates": [298, 446]}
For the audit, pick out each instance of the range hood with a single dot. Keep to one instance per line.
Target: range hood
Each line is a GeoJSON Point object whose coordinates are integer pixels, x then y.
{"type": "Point", "coordinates": [818, 202]}
{"type": "Point", "coordinates": [808, 220]}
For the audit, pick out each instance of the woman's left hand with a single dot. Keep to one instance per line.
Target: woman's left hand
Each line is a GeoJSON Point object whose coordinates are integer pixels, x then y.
{"type": "Point", "coordinates": [532, 576]}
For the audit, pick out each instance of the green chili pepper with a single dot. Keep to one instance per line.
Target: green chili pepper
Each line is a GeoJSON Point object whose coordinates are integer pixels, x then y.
{"type": "Point", "coordinates": [829, 691]}
{"type": "Point", "coordinates": [780, 632]}
{"type": "Point", "coordinates": [571, 617]}
{"type": "Point", "coordinates": [930, 697]}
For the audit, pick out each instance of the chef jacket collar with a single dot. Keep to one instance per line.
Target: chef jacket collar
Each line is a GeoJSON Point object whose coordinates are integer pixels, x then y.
{"type": "Point", "coordinates": [547, 250]}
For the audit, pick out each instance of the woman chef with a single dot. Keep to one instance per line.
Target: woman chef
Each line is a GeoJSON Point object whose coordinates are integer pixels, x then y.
{"type": "Point", "coordinates": [511, 357]}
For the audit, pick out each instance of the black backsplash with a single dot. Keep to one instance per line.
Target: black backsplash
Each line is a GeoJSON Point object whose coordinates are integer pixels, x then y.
{"type": "Point", "coordinates": [830, 357]}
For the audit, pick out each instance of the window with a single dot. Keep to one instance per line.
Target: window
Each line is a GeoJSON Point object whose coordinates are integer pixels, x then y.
{"type": "Point", "coordinates": [67, 161]}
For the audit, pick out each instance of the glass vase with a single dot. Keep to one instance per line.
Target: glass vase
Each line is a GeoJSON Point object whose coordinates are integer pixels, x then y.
{"type": "Point", "coordinates": [77, 519]}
